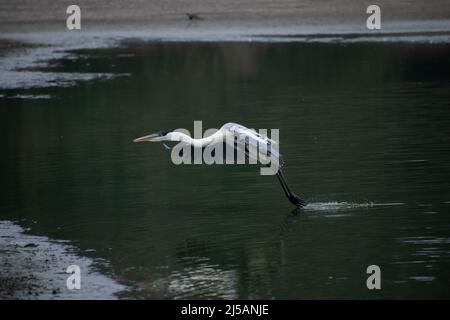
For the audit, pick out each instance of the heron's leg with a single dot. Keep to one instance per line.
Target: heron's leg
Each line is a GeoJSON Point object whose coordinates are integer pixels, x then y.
{"type": "Point", "coordinates": [289, 194]}
{"type": "Point", "coordinates": [283, 183]}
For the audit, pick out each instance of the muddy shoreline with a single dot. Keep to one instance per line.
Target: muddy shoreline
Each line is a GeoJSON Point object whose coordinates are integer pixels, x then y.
{"type": "Point", "coordinates": [262, 12]}
{"type": "Point", "coordinates": [34, 267]}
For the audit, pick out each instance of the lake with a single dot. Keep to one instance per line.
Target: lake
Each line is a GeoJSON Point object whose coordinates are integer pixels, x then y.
{"type": "Point", "coordinates": [364, 130]}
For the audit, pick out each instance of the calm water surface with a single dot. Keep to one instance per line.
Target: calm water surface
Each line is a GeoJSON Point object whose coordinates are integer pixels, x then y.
{"type": "Point", "coordinates": [364, 129]}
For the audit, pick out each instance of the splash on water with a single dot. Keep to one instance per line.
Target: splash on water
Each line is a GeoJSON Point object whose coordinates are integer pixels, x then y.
{"type": "Point", "coordinates": [337, 206]}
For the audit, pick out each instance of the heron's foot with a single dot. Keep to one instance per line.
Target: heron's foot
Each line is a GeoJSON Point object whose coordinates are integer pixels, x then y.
{"type": "Point", "coordinates": [297, 201]}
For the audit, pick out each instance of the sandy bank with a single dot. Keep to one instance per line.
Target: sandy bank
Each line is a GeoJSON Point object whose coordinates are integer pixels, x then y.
{"type": "Point", "coordinates": [241, 16]}
{"type": "Point", "coordinates": [263, 11]}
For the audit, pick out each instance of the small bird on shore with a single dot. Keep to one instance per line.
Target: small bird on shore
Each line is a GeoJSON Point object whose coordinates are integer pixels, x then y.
{"type": "Point", "coordinates": [193, 16]}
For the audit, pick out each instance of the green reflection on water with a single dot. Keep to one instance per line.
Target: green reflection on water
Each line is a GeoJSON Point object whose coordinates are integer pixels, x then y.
{"type": "Point", "coordinates": [360, 124]}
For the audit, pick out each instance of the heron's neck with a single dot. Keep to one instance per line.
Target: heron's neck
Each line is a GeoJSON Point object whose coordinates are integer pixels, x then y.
{"type": "Point", "coordinates": [200, 143]}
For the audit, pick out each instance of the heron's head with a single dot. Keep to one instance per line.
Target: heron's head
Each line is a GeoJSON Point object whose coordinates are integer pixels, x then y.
{"type": "Point", "coordinates": [160, 135]}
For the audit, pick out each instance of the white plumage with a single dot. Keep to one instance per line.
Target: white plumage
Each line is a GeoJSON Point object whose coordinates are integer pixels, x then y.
{"type": "Point", "coordinates": [255, 146]}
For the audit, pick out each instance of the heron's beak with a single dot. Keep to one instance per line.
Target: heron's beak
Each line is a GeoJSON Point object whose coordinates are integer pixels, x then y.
{"type": "Point", "coordinates": [150, 137]}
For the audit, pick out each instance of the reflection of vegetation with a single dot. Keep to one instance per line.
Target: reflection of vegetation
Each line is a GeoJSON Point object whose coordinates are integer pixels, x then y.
{"type": "Point", "coordinates": [250, 268]}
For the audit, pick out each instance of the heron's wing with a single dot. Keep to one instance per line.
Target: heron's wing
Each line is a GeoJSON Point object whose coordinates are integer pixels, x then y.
{"type": "Point", "coordinates": [255, 145]}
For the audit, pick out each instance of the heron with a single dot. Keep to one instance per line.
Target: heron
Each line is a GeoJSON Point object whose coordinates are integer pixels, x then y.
{"type": "Point", "coordinates": [253, 144]}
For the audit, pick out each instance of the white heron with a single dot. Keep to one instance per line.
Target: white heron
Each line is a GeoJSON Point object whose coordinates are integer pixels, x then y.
{"type": "Point", "coordinates": [251, 143]}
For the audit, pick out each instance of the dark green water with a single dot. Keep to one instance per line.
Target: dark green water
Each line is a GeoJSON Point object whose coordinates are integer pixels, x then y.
{"type": "Point", "coordinates": [364, 130]}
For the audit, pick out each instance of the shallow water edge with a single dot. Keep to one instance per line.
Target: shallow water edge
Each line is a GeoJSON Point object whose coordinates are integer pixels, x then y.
{"type": "Point", "coordinates": [34, 267]}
